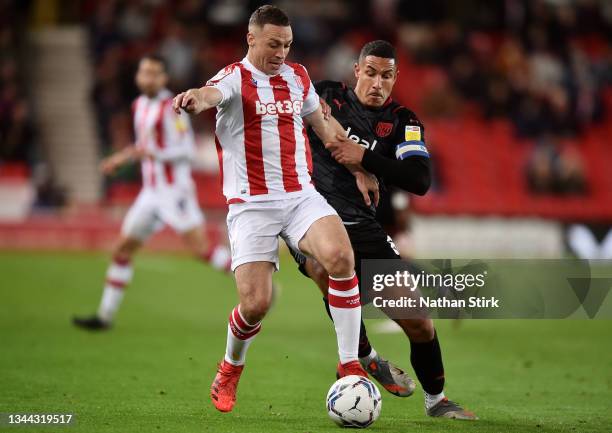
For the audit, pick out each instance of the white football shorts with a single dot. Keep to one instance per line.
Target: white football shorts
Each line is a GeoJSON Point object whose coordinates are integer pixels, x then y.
{"type": "Point", "coordinates": [177, 208]}
{"type": "Point", "coordinates": [254, 227]}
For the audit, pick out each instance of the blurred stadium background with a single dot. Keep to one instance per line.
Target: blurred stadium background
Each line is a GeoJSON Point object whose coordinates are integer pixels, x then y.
{"type": "Point", "coordinates": [515, 95]}
{"type": "Point", "coordinates": [516, 98]}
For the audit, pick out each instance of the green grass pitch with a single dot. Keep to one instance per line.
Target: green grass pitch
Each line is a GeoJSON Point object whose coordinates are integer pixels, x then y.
{"type": "Point", "coordinates": [152, 372]}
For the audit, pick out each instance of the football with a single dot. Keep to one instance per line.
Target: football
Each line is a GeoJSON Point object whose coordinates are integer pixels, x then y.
{"type": "Point", "coordinates": [354, 401]}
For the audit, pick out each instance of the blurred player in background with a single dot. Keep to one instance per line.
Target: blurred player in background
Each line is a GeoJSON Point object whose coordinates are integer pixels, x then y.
{"type": "Point", "coordinates": [392, 147]}
{"type": "Point", "coordinates": [262, 102]}
{"type": "Point", "coordinates": [164, 146]}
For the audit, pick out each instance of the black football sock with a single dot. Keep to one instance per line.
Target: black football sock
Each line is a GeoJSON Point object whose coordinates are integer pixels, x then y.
{"type": "Point", "coordinates": [364, 343]}
{"type": "Point", "coordinates": [426, 359]}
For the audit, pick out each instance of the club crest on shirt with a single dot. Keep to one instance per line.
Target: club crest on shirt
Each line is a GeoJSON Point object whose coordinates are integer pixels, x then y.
{"type": "Point", "coordinates": [383, 128]}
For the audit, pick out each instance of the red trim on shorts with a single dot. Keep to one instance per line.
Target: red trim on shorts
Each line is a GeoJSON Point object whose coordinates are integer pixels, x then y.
{"type": "Point", "coordinates": [253, 146]}
{"type": "Point", "coordinates": [343, 285]}
{"type": "Point", "coordinates": [286, 134]}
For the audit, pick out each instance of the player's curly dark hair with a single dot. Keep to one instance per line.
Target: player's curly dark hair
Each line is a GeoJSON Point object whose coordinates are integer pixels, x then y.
{"type": "Point", "coordinates": [269, 14]}
{"type": "Point", "coordinates": [378, 48]}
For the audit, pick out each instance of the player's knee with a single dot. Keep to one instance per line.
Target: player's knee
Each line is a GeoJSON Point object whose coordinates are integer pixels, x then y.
{"type": "Point", "coordinates": [418, 330]}
{"type": "Point", "coordinates": [125, 249]}
{"type": "Point", "coordinates": [339, 261]}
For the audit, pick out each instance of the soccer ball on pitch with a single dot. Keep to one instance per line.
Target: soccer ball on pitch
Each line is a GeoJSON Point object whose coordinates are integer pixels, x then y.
{"type": "Point", "coordinates": [354, 401]}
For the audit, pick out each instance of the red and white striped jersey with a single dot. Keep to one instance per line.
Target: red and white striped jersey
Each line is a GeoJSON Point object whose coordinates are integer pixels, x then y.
{"type": "Point", "coordinates": [264, 153]}
{"type": "Point", "coordinates": [168, 137]}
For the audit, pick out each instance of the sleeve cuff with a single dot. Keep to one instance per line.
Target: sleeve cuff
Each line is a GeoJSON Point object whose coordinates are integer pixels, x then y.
{"type": "Point", "coordinates": [369, 161]}
{"type": "Point", "coordinates": [306, 113]}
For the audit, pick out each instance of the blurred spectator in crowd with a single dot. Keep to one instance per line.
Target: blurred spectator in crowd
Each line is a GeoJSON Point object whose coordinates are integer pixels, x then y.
{"type": "Point", "coordinates": [539, 62]}
{"type": "Point", "coordinates": [16, 126]}
{"type": "Point", "coordinates": [542, 64]}
{"type": "Point", "coordinates": [48, 193]}
{"type": "Point", "coordinates": [552, 170]}
{"type": "Point", "coordinates": [16, 129]}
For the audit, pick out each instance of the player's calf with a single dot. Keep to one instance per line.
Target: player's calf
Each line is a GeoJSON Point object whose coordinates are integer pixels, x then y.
{"type": "Point", "coordinates": [254, 282]}
{"type": "Point", "coordinates": [118, 276]}
{"type": "Point", "coordinates": [417, 330]}
{"type": "Point", "coordinates": [255, 302]}
{"type": "Point", "coordinates": [318, 274]}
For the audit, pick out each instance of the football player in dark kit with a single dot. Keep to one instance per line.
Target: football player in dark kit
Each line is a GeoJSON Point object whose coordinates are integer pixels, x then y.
{"type": "Point", "coordinates": [392, 147]}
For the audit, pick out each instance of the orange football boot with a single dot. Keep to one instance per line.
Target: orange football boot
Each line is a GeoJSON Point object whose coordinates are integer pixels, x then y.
{"type": "Point", "coordinates": [223, 388]}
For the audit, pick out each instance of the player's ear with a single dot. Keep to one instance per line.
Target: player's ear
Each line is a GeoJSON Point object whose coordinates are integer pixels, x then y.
{"type": "Point", "coordinates": [356, 69]}
{"type": "Point", "coordinates": [250, 37]}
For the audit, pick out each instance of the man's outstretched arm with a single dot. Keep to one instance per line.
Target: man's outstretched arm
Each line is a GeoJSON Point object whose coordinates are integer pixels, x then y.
{"type": "Point", "coordinates": [126, 155]}
{"type": "Point", "coordinates": [194, 101]}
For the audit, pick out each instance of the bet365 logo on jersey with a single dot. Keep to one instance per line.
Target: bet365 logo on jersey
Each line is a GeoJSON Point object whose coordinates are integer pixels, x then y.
{"type": "Point", "coordinates": [279, 107]}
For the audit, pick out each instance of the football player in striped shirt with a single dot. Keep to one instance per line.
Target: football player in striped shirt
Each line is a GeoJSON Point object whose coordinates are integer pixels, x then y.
{"type": "Point", "coordinates": [262, 105]}
{"type": "Point", "coordinates": [164, 146]}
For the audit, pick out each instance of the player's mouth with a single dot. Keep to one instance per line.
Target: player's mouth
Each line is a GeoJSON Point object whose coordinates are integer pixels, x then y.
{"type": "Point", "coordinates": [375, 95]}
